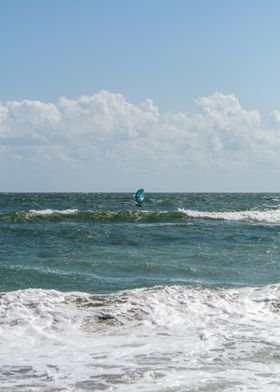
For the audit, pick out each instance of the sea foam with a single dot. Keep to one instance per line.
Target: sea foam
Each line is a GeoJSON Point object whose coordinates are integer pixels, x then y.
{"type": "Point", "coordinates": [266, 216]}
{"type": "Point", "coordinates": [146, 339]}
{"type": "Point", "coordinates": [49, 211]}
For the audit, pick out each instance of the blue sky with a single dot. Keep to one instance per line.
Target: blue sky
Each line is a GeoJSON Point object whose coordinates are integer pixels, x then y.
{"type": "Point", "coordinates": [181, 95]}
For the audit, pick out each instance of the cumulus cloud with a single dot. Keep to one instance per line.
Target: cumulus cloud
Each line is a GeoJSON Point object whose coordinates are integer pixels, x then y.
{"type": "Point", "coordinates": [275, 117]}
{"type": "Point", "coordinates": [107, 126]}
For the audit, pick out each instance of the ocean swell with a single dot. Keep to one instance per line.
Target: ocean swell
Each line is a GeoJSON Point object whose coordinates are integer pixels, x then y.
{"type": "Point", "coordinates": [112, 216]}
{"type": "Point", "coordinates": [267, 216]}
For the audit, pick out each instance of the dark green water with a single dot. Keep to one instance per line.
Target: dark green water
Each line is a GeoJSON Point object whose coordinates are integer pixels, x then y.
{"type": "Point", "coordinates": [104, 243]}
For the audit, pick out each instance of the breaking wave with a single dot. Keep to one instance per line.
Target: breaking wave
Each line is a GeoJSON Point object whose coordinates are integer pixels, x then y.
{"type": "Point", "coordinates": [266, 216]}
{"type": "Point", "coordinates": [95, 215]}
{"type": "Point", "coordinates": [141, 339]}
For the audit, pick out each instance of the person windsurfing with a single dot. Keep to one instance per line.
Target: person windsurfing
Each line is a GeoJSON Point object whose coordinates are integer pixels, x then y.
{"type": "Point", "coordinates": [139, 197]}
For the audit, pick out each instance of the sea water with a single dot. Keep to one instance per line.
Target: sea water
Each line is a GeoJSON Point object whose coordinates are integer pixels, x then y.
{"type": "Point", "coordinates": [97, 294]}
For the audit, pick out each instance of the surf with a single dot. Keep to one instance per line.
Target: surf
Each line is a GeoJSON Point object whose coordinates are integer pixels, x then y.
{"type": "Point", "coordinates": [117, 216]}
{"type": "Point", "coordinates": [267, 216]}
{"type": "Point", "coordinates": [149, 337]}
{"type": "Point", "coordinates": [260, 216]}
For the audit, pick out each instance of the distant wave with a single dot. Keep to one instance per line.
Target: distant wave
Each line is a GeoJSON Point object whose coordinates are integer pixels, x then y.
{"type": "Point", "coordinates": [267, 216]}
{"type": "Point", "coordinates": [49, 211]}
{"type": "Point", "coordinates": [95, 215]}
{"type": "Point", "coordinates": [180, 215]}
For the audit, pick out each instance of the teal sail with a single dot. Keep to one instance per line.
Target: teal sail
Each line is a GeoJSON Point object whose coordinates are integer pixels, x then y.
{"type": "Point", "coordinates": [139, 196]}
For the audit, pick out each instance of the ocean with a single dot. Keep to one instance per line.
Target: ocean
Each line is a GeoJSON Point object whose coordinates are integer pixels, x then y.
{"type": "Point", "coordinates": [181, 295]}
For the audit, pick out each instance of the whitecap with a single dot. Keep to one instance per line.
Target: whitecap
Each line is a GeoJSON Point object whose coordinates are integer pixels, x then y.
{"type": "Point", "coordinates": [266, 216]}
{"type": "Point", "coordinates": [49, 211]}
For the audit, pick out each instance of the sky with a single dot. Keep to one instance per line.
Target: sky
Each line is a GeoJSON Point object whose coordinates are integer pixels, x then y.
{"type": "Point", "coordinates": [175, 96]}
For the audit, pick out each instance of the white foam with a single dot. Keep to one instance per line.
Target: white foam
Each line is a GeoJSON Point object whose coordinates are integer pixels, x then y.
{"type": "Point", "coordinates": [179, 338]}
{"type": "Point", "coordinates": [267, 216]}
{"type": "Point", "coordinates": [49, 211]}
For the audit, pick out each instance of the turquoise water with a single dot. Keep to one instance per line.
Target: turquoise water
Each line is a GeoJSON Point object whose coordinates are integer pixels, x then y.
{"type": "Point", "coordinates": [104, 243]}
{"type": "Point", "coordinates": [181, 295]}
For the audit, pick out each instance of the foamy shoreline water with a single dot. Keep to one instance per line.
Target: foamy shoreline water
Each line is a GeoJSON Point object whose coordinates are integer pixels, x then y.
{"type": "Point", "coordinates": [163, 338]}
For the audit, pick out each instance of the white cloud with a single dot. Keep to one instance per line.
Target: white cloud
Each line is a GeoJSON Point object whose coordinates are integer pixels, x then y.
{"type": "Point", "coordinates": [107, 126]}
{"type": "Point", "coordinates": [106, 114]}
{"type": "Point", "coordinates": [27, 122]}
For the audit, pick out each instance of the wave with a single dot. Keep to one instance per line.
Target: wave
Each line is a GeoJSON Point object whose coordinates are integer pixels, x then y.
{"type": "Point", "coordinates": [94, 215]}
{"type": "Point", "coordinates": [141, 339]}
{"type": "Point", "coordinates": [159, 305]}
{"type": "Point", "coordinates": [49, 211]}
{"type": "Point", "coordinates": [267, 216]}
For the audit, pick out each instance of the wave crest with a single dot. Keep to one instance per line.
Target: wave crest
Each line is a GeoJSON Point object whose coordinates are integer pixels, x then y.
{"type": "Point", "coordinates": [95, 215]}
{"type": "Point", "coordinates": [267, 216]}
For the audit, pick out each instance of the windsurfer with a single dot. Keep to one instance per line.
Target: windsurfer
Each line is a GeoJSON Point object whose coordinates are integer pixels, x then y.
{"type": "Point", "coordinates": [139, 197]}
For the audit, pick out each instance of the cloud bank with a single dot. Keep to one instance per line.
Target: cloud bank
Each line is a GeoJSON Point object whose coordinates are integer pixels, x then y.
{"type": "Point", "coordinates": [106, 127]}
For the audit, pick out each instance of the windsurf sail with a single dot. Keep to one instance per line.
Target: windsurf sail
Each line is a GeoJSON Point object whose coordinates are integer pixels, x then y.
{"type": "Point", "coordinates": [139, 196]}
